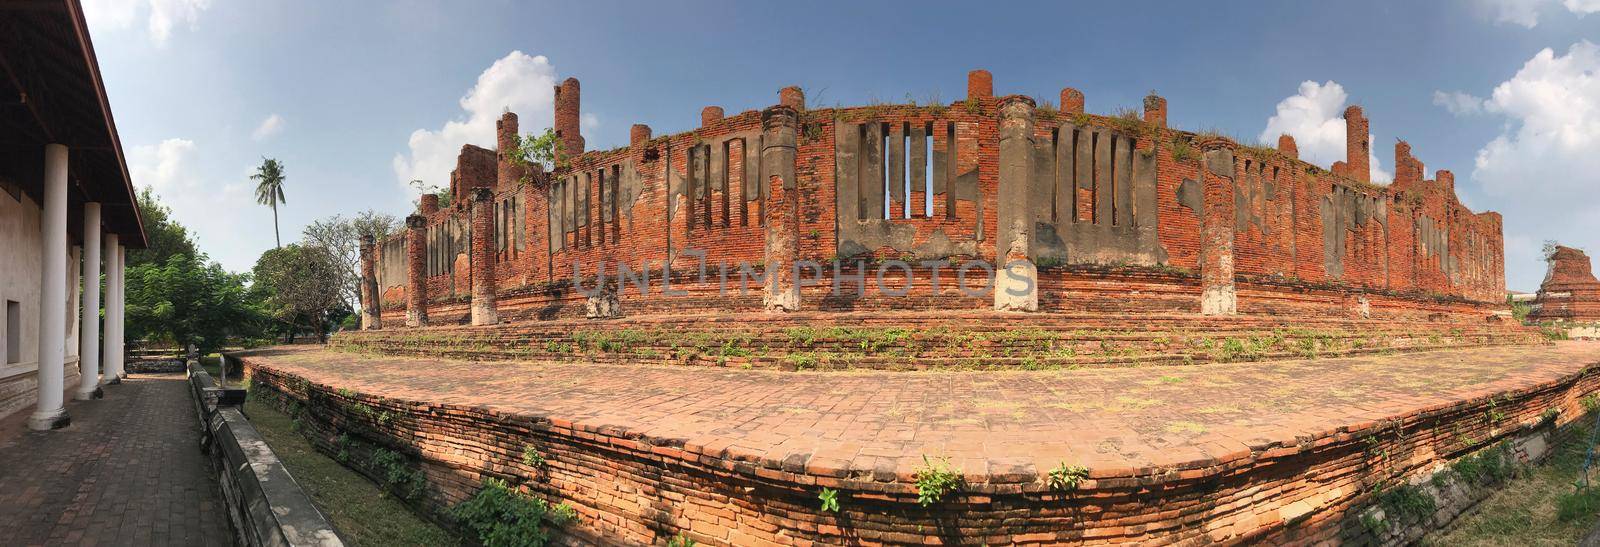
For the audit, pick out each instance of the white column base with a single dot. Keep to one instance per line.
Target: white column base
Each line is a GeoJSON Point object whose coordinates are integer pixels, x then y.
{"type": "Point", "coordinates": [48, 420]}
{"type": "Point", "coordinates": [89, 395]}
{"type": "Point", "coordinates": [1016, 287]}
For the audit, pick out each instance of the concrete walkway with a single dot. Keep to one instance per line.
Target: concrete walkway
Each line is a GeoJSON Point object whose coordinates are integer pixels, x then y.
{"type": "Point", "coordinates": [127, 471]}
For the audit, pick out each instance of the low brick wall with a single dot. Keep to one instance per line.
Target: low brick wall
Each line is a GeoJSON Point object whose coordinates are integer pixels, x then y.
{"type": "Point", "coordinates": [631, 487]}
{"type": "Point", "coordinates": [265, 505]}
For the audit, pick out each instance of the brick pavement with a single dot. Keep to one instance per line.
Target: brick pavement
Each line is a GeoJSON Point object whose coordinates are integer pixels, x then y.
{"type": "Point", "coordinates": [1115, 421]}
{"type": "Point", "coordinates": [127, 471]}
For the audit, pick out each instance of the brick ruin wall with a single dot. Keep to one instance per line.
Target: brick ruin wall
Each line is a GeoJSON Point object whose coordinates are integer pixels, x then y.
{"type": "Point", "coordinates": [1570, 291]}
{"type": "Point", "coordinates": [1107, 206]}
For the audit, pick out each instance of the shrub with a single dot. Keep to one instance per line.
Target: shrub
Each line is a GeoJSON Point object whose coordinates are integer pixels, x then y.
{"type": "Point", "coordinates": [934, 480]}
{"type": "Point", "coordinates": [500, 516]}
{"type": "Point", "coordinates": [1065, 477]}
{"type": "Point", "coordinates": [830, 500]}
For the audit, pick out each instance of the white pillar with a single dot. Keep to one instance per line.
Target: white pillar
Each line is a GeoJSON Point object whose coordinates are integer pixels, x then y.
{"type": "Point", "coordinates": [51, 413]}
{"type": "Point", "coordinates": [122, 309]}
{"type": "Point", "coordinates": [89, 322]}
{"type": "Point", "coordinates": [113, 343]}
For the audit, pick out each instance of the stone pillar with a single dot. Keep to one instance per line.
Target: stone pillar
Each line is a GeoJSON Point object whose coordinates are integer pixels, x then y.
{"type": "Point", "coordinates": [1155, 110]}
{"type": "Point", "coordinates": [792, 97]}
{"type": "Point", "coordinates": [710, 114]}
{"type": "Point", "coordinates": [1016, 279]}
{"type": "Point", "coordinates": [416, 271]}
{"type": "Point", "coordinates": [428, 204]}
{"type": "Point", "coordinates": [371, 313]}
{"type": "Point", "coordinates": [89, 320]}
{"type": "Point", "coordinates": [1217, 293]}
{"type": "Point", "coordinates": [111, 355]}
{"type": "Point", "coordinates": [484, 256]}
{"type": "Point", "coordinates": [1071, 101]}
{"type": "Point", "coordinates": [1356, 145]}
{"type": "Point", "coordinates": [51, 413]}
{"type": "Point", "coordinates": [779, 126]}
{"type": "Point", "coordinates": [568, 127]}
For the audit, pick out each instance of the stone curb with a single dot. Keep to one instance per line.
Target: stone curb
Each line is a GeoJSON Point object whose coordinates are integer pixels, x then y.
{"type": "Point", "coordinates": [265, 504]}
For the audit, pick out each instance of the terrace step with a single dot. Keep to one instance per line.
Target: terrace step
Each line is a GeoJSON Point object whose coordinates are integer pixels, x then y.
{"type": "Point", "coordinates": [921, 340]}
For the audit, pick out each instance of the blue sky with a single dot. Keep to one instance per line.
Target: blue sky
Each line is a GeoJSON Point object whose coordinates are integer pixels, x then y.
{"type": "Point", "coordinates": [356, 98]}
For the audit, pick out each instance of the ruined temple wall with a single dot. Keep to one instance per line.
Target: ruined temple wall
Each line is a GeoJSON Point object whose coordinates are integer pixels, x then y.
{"type": "Point", "coordinates": [1297, 228]}
{"type": "Point", "coordinates": [864, 183]}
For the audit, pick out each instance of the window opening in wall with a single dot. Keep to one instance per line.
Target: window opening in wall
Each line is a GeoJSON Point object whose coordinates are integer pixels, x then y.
{"type": "Point", "coordinates": [13, 332]}
{"type": "Point", "coordinates": [927, 170]}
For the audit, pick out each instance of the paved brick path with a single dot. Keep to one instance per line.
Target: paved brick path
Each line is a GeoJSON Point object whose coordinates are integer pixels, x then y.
{"type": "Point", "coordinates": [1111, 420]}
{"type": "Point", "coordinates": [128, 471]}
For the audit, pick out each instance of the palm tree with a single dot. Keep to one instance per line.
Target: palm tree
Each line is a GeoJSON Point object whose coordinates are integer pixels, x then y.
{"type": "Point", "coordinates": [269, 190]}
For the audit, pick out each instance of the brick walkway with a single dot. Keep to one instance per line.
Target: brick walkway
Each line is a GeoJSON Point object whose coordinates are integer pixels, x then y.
{"type": "Point", "coordinates": [128, 471]}
{"type": "Point", "coordinates": [1112, 420]}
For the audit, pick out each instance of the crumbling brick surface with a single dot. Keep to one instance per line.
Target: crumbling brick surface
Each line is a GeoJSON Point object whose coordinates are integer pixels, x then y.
{"type": "Point", "coordinates": [1570, 291]}
{"type": "Point", "coordinates": [645, 454]}
{"type": "Point", "coordinates": [1297, 229]}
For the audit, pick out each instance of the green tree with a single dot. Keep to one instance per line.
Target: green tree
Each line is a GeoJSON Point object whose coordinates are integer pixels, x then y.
{"type": "Point", "coordinates": [164, 236]}
{"type": "Point", "coordinates": [301, 288]}
{"type": "Point", "coordinates": [188, 301]}
{"type": "Point", "coordinates": [269, 190]}
{"type": "Point", "coordinates": [342, 237]}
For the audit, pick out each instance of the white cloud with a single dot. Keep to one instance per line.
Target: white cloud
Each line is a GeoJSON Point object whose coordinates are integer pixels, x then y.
{"type": "Point", "coordinates": [163, 166]}
{"type": "Point", "coordinates": [1315, 118]}
{"type": "Point", "coordinates": [164, 15]}
{"type": "Point", "coordinates": [1516, 12]}
{"type": "Point", "coordinates": [268, 128]}
{"type": "Point", "coordinates": [1541, 170]}
{"type": "Point", "coordinates": [1458, 103]}
{"type": "Point", "coordinates": [1582, 7]}
{"type": "Point", "coordinates": [1552, 106]}
{"type": "Point", "coordinates": [171, 169]}
{"type": "Point", "coordinates": [519, 82]}
{"type": "Point", "coordinates": [1526, 12]}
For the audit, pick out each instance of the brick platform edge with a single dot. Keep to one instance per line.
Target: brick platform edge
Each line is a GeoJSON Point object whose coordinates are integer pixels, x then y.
{"type": "Point", "coordinates": [634, 488]}
{"type": "Point", "coordinates": [265, 504]}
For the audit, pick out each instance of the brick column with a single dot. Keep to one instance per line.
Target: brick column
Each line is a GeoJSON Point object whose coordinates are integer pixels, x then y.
{"type": "Point", "coordinates": [1155, 110]}
{"type": "Point", "coordinates": [371, 316]}
{"type": "Point", "coordinates": [779, 125]}
{"type": "Point", "coordinates": [792, 97]}
{"type": "Point", "coordinates": [416, 271]}
{"type": "Point", "coordinates": [1016, 280]}
{"type": "Point", "coordinates": [1217, 292]}
{"type": "Point", "coordinates": [1356, 145]}
{"type": "Point", "coordinates": [1071, 101]}
{"type": "Point", "coordinates": [980, 85]}
{"type": "Point", "coordinates": [483, 258]}
{"type": "Point", "coordinates": [709, 115]}
{"type": "Point", "coordinates": [568, 125]}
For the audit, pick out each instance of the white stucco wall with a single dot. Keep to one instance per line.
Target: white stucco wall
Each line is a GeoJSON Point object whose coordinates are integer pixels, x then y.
{"type": "Point", "coordinates": [19, 281]}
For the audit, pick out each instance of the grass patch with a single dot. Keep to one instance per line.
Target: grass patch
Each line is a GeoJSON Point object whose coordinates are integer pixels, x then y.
{"type": "Point", "coordinates": [362, 512]}
{"type": "Point", "coordinates": [1542, 507]}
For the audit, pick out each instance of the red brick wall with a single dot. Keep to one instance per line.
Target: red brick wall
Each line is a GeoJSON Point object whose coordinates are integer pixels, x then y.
{"type": "Point", "coordinates": [1283, 232]}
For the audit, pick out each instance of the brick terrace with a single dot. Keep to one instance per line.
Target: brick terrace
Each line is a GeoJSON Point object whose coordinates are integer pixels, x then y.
{"type": "Point", "coordinates": [1165, 426]}
{"type": "Point", "coordinates": [127, 471]}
